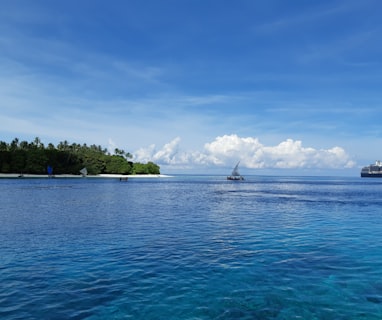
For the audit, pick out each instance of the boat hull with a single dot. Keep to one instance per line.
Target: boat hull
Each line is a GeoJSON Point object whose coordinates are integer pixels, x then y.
{"type": "Point", "coordinates": [371, 175]}
{"type": "Point", "coordinates": [235, 178]}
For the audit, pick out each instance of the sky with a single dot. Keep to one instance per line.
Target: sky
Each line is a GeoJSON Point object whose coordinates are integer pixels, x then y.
{"type": "Point", "coordinates": [284, 87]}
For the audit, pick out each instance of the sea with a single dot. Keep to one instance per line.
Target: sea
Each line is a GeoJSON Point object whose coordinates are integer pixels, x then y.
{"type": "Point", "coordinates": [191, 247]}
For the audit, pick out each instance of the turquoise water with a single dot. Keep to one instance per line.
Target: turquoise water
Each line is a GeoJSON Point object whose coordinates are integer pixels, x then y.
{"type": "Point", "coordinates": [191, 247]}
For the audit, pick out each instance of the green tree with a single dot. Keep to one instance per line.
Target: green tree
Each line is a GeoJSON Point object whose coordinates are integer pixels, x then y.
{"type": "Point", "coordinates": [5, 162]}
{"type": "Point", "coordinates": [17, 161]}
{"type": "Point", "coordinates": [140, 168]}
{"type": "Point", "coordinates": [36, 161]}
{"type": "Point", "coordinates": [33, 157]}
{"type": "Point", "coordinates": [117, 164]}
{"type": "Point", "coordinates": [14, 144]}
{"type": "Point", "coordinates": [152, 168]}
{"type": "Point", "coordinates": [3, 146]}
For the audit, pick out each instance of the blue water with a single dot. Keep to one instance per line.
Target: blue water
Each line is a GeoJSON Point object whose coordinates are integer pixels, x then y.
{"type": "Point", "coordinates": [191, 247]}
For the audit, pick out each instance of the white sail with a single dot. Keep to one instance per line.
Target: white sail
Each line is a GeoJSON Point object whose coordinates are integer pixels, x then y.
{"type": "Point", "coordinates": [235, 171]}
{"type": "Point", "coordinates": [84, 171]}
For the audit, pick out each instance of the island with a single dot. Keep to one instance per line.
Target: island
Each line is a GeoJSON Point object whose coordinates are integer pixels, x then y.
{"type": "Point", "coordinates": [23, 157]}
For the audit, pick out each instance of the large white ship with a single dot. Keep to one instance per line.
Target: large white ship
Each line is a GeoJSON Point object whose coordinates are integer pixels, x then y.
{"type": "Point", "coordinates": [372, 171]}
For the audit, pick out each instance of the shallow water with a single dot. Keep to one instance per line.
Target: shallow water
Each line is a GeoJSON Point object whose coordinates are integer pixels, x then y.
{"type": "Point", "coordinates": [191, 247]}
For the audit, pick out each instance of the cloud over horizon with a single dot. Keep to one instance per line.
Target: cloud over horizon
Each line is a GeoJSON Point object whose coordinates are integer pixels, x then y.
{"type": "Point", "coordinates": [226, 149]}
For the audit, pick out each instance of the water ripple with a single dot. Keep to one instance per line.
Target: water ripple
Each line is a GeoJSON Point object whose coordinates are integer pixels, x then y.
{"type": "Point", "coordinates": [191, 248]}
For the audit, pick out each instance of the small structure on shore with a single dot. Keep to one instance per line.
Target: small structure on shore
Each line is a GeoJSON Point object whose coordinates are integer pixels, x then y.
{"type": "Point", "coordinates": [84, 172]}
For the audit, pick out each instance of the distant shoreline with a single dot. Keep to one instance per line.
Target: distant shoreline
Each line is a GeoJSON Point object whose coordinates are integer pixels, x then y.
{"type": "Point", "coordinates": [60, 176]}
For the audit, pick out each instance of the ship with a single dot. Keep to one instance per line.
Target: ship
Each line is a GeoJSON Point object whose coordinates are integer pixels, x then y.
{"type": "Point", "coordinates": [372, 171]}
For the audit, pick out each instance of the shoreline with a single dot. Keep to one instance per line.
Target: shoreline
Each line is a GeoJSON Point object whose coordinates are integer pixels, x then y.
{"type": "Point", "coordinates": [70, 176]}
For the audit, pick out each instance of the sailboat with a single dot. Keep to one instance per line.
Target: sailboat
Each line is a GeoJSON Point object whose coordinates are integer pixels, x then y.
{"type": "Point", "coordinates": [235, 175]}
{"type": "Point", "coordinates": [84, 172]}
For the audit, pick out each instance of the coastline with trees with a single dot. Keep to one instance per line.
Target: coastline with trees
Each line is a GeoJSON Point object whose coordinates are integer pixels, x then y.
{"type": "Point", "coordinates": [23, 157]}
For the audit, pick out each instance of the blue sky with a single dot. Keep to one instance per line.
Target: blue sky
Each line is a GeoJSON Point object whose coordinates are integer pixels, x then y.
{"type": "Point", "coordinates": [195, 85]}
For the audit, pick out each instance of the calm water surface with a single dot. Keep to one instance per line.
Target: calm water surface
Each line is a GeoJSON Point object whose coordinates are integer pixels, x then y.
{"type": "Point", "coordinates": [191, 247]}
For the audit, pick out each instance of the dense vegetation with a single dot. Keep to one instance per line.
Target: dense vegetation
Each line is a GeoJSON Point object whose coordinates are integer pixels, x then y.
{"type": "Point", "coordinates": [34, 158]}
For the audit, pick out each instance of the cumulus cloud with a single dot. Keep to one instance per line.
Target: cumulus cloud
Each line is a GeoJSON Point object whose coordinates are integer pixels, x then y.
{"type": "Point", "coordinates": [167, 155]}
{"type": "Point", "coordinates": [225, 150]}
{"type": "Point", "coordinates": [112, 146]}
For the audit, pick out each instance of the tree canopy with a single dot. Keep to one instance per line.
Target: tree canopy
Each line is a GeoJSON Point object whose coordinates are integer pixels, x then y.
{"type": "Point", "coordinates": [34, 158]}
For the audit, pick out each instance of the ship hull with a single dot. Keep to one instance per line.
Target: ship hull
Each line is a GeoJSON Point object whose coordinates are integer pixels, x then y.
{"type": "Point", "coordinates": [371, 175]}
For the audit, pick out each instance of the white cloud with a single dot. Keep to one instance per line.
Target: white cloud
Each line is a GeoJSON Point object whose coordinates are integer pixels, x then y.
{"type": "Point", "coordinates": [112, 146]}
{"type": "Point", "coordinates": [168, 153]}
{"type": "Point", "coordinates": [227, 149]}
